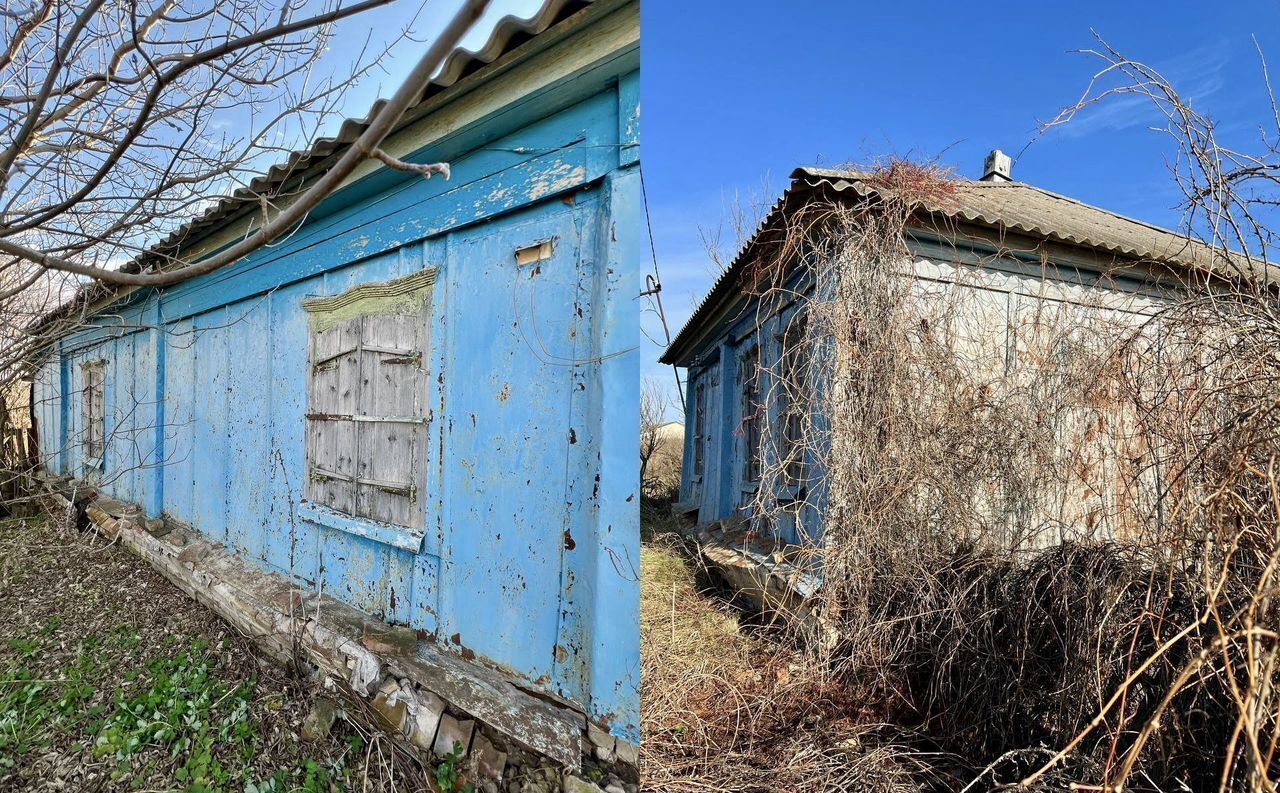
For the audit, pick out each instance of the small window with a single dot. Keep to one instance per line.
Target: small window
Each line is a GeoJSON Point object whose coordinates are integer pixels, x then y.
{"type": "Point", "coordinates": [791, 401]}
{"type": "Point", "coordinates": [699, 429]}
{"type": "Point", "coordinates": [367, 409]}
{"type": "Point", "coordinates": [749, 389]}
{"type": "Point", "coordinates": [92, 406]}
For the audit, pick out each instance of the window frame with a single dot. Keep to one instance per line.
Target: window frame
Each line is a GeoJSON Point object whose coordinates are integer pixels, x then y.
{"type": "Point", "coordinates": [411, 297]}
{"type": "Point", "coordinates": [750, 419]}
{"type": "Point", "coordinates": [699, 430]}
{"type": "Point", "coordinates": [93, 394]}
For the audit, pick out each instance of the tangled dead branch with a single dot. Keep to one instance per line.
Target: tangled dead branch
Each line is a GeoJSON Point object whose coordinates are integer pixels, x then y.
{"type": "Point", "coordinates": [1051, 525]}
{"type": "Point", "coordinates": [729, 712]}
{"type": "Point", "coordinates": [119, 121]}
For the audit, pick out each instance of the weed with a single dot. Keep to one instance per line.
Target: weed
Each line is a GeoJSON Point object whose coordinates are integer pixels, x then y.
{"type": "Point", "coordinates": [23, 715]}
{"type": "Point", "coordinates": [447, 775]}
{"type": "Point", "coordinates": [25, 648]}
{"type": "Point", "coordinates": [310, 777]}
{"type": "Point", "coordinates": [185, 710]}
{"type": "Point", "coordinates": [125, 637]}
{"type": "Point", "coordinates": [34, 706]}
{"type": "Point", "coordinates": [136, 704]}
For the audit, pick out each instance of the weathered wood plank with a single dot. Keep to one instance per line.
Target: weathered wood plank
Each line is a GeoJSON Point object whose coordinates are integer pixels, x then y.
{"type": "Point", "coordinates": [263, 606]}
{"type": "Point", "coordinates": [333, 386]}
{"type": "Point", "coordinates": [393, 386]}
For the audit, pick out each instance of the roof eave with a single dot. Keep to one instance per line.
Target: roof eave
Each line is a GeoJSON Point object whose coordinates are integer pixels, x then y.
{"type": "Point", "coordinates": [683, 349]}
{"type": "Point", "coordinates": [512, 41]}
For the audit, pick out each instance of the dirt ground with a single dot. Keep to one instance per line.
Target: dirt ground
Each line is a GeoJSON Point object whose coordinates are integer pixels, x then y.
{"type": "Point", "coordinates": [111, 679]}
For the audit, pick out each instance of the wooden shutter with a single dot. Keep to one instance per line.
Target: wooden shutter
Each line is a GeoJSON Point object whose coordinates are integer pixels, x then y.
{"type": "Point", "coordinates": [699, 428]}
{"type": "Point", "coordinates": [331, 398]}
{"type": "Point", "coordinates": [367, 405]}
{"type": "Point", "coordinates": [92, 409]}
{"type": "Point", "coordinates": [749, 385]}
{"type": "Point", "coordinates": [391, 443]}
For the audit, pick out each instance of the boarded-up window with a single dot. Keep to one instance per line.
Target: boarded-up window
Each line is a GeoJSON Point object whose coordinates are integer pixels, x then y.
{"type": "Point", "coordinates": [749, 385]}
{"type": "Point", "coordinates": [92, 406]}
{"type": "Point", "coordinates": [699, 429]}
{"type": "Point", "coordinates": [367, 408]}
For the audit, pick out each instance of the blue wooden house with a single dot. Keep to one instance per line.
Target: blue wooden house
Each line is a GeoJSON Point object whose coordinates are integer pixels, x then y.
{"type": "Point", "coordinates": [406, 403]}
{"type": "Point", "coordinates": [1013, 253]}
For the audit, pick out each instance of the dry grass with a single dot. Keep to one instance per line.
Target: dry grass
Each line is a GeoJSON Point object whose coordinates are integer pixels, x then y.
{"type": "Point", "coordinates": [729, 710]}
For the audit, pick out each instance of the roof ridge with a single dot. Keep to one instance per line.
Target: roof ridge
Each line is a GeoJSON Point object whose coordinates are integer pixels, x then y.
{"type": "Point", "coordinates": [857, 175]}
{"type": "Point", "coordinates": [506, 29]}
{"type": "Point", "coordinates": [1023, 208]}
{"type": "Point", "coordinates": [1078, 202]}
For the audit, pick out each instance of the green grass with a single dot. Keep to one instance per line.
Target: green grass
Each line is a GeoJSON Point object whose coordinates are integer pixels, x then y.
{"type": "Point", "coordinates": [95, 691]}
{"type": "Point", "coordinates": [33, 708]}
{"type": "Point", "coordinates": [184, 710]}
{"type": "Point", "coordinates": [310, 777]}
{"type": "Point", "coordinates": [657, 521]}
{"type": "Point", "coordinates": [174, 710]}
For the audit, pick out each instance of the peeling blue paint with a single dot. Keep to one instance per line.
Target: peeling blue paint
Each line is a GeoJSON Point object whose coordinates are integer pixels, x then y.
{"type": "Point", "coordinates": [723, 491]}
{"type": "Point", "coordinates": [207, 392]}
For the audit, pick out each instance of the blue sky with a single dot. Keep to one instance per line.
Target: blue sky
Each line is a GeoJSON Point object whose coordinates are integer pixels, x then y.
{"type": "Point", "coordinates": [735, 95]}
{"type": "Point", "coordinates": [360, 40]}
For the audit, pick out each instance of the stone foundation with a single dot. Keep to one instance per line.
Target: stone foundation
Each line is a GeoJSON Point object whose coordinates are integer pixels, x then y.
{"type": "Point", "coordinates": [431, 700]}
{"type": "Point", "coordinates": [773, 579]}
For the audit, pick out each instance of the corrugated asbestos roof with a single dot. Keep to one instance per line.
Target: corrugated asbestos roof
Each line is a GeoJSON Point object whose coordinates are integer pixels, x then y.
{"type": "Point", "coordinates": [1019, 207]}
{"type": "Point", "coordinates": [508, 33]}
{"type": "Point", "coordinates": [1005, 206]}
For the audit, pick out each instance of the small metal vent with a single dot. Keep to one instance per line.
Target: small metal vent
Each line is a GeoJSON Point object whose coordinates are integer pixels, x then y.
{"type": "Point", "coordinates": [536, 252]}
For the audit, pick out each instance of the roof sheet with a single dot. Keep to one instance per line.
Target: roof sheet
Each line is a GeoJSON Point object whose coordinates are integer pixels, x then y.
{"type": "Point", "coordinates": [507, 34]}
{"type": "Point", "coordinates": [1040, 213]}
{"type": "Point", "coordinates": [1010, 206]}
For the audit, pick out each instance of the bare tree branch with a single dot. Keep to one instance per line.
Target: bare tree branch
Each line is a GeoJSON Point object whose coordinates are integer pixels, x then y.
{"type": "Point", "coordinates": [361, 149]}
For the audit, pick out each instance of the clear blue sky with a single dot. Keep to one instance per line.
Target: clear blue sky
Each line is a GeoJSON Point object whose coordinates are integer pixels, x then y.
{"type": "Point", "coordinates": [735, 95]}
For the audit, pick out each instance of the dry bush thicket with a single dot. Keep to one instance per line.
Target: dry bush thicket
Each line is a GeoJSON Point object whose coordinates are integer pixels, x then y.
{"type": "Point", "coordinates": [728, 712]}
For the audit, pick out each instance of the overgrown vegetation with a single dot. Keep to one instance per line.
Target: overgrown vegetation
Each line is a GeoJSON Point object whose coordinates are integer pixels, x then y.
{"type": "Point", "coordinates": [111, 679]}
{"type": "Point", "coordinates": [1049, 544]}
{"type": "Point", "coordinates": [1070, 547]}
{"type": "Point", "coordinates": [448, 774]}
{"type": "Point", "coordinates": [729, 709]}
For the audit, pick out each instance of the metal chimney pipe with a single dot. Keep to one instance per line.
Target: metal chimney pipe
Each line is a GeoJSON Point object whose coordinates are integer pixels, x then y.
{"type": "Point", "coordinates": [997, 167]}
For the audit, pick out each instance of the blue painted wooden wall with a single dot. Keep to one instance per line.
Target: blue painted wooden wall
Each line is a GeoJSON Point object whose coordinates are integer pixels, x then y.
{"type": "Point", "coordinates": [723, 490]}
{"type": "Point", "coordinates": [531, 555]}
